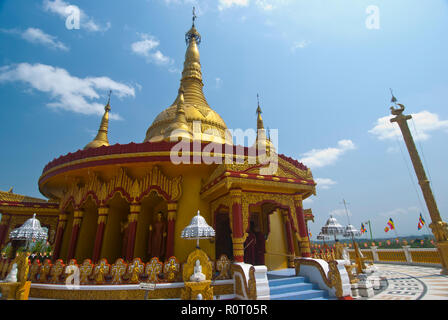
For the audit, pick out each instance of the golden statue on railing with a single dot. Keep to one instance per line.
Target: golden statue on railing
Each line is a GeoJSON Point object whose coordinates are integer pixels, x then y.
{"type": "Point", "coordinates": [16, 286]}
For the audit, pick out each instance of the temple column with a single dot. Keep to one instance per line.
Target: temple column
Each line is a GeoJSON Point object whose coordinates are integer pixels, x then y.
{"type": "Point", "coordinates": [172, 212]}
{"type": "Point", "coordinates": [238, 234]}
{"type": "Point", "coordinates": [62, 222]}
{"type": "Point", "coordinates": [304, 242]}
{"type": "Point", "coordinates": [77, 219]}
{"type": "Point", "coordinates": [4, 225]}
{"type": "Point", "coordinates": [102, 220]}
{"type": "Point", "coordinates": [132, 229]}
{"type": "Point", "coordinates": [289, 239]}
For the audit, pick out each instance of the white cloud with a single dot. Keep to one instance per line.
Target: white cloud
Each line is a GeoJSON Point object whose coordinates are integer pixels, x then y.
{"type": "Point", "coordinates": [300, 45]}
{"type": "Point", "coordinates": [308, 201]}
{"type": "Point", "coordinates": [59, 7]}
{"type": "Point", "coordinates": [37, 36]}
{"type": "Point", "coordinates": [324, 183]}
{"type": "Point", "coordinates": [399, 212]}
{"type": "Point", "coordinates": [318, 158]}
{"type": "Point", "coordinates": [145, 48]}
{"type": "Point", "coordinates": [265, 5]}
{"type": "Point", "coordinates": [425, 122]}
{"type": "Point", "coordinates": [218, 82]}
{"type": "Point", "coordinates": [67, 92]}
{"type": "Point", "coordinates": [340, 213]}
{"type": "Point", "coordinates": [225, 4]}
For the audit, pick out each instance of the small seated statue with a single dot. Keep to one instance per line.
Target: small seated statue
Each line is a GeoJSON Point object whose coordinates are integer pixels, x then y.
{"type": "Point", "coordinates": [197, 276]}
{"type": "Point", "coordinates": [12, 275]}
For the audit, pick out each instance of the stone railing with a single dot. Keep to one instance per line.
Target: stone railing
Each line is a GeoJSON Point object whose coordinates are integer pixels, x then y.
{"type": "Point", "coordinates": [120, 272]}
{"type": "Point", "coordinates": [405, 255]}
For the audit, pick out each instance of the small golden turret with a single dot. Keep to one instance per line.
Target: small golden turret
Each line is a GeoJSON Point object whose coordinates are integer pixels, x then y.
{"type": "Point", "coordinates": [262, 140]}
{"type": "Point", "coordinates": [101, 137]}
{"type": "Point", "coordinates": [179, 129]}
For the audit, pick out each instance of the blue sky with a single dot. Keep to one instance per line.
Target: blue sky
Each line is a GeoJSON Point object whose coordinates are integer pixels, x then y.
{"type": "Point", "coordinates": [322, 74]}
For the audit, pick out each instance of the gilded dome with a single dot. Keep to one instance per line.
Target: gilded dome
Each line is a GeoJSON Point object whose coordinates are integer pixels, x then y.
{"type": "Point", "coordinates": [195, 105]}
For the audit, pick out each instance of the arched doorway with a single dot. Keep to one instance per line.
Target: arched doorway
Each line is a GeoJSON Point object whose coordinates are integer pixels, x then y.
{"type": "Point", "coordinates": [266, 240]}
{"type": "Point", "coordinates": [153, 207]}
{"type": "Point", "coordinates": [223, 235]}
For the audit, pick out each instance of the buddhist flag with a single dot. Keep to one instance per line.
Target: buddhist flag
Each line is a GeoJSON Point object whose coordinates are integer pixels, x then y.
{"type": "Point", "coordinates": [386, 229]}
{"type": "Point", "coordinates": [363, 229]}
{"type": "Point", "coordinates": [391, 224]}
{"type": "Point", "coordinates": [421, 222]}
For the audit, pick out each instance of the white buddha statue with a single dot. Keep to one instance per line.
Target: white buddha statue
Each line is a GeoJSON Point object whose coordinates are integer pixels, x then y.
{"type": "Point", "coordinates": [197, 276]}
{"type": "Point", "coordinates": [12, 275]}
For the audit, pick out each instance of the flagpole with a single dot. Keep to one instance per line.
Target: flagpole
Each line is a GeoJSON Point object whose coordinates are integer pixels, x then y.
{"type": "Point", "coordinates": [370, 229]}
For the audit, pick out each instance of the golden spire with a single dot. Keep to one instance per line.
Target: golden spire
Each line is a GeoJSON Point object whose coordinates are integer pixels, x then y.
{"type": "Point", "coordinates": [101, 138]}
{"type": "Point", "coordinates": [195, 107]}
{"type": "Point", "coordinates": [259, 119]}
{"type": "Point", "coordinates": [179, 128]}
{"type": "Point", "coordinates": [262, 140]}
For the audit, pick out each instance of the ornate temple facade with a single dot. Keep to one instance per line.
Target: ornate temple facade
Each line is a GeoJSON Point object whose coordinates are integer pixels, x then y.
{"type": "Point", "coordinates": [132, 201]}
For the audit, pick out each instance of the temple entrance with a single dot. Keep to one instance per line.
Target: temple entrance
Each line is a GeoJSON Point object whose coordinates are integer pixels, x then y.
{"type": "Point", "coordinates": [223, 236]}
{"type": "Point", "coordinates": [151, 228]}
{"type": "Point", "coordinates": [255, 244]}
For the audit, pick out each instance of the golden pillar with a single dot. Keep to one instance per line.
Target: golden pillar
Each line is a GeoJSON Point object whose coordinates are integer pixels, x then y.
{"type": "Point", "coordinates": [62, 222]}
{"type": "Point", "coordinates": [132, 225]}
{"type": "Point", "coordinates": [4, 225]}
{"type": "Point", "coordinates": [289, 238]}
{"type": "Point", "coordinates": [77, 219]}
{"type": "Point", "coordinates": [238, 233]}
{"type": "Point", "coordinates": [172, 212]}
{"type": "Point", "coordinates": [304, 241]}
{"type": "Point", "coordinates": [439, 227]}
{"type": "Point", "coordinates": [102, 220]}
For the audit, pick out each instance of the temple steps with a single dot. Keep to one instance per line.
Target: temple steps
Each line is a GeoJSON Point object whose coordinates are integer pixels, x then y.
{"type": "Point", "coordinates": [286, 287]}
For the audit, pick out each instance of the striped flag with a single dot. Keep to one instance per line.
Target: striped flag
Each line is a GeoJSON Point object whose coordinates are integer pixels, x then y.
{"type": "Point", "coordinates": [363, 229]}
{"type": "Point", "coordinates": [421, 222]}
{"type": "Point", "coordinates": [386, 229]}
{"type": "Point", "coordinates": [391, 224]}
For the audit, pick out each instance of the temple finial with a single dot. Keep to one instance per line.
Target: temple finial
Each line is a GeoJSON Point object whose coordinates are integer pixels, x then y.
{"type": "Point", "coordinates": [101, 137]}
{"type": "Point", "coordinates": [193, 34]}
{"type": "Point", "coordinates": [108, 100]}
{"type": "Point", "coordinates": [259, 112]}
{"type": "Point", "coordinates": [194, 15]}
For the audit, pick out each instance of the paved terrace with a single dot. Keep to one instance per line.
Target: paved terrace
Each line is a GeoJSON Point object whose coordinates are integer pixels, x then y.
{"type": "Point", "coordinates": [406, 282]}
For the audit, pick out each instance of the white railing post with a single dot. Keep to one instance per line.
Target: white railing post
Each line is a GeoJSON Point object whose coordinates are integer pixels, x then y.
{"type": "Point", "coordinates": [374, 253]}
{"type": "Point", "coordinates": [407, 253]}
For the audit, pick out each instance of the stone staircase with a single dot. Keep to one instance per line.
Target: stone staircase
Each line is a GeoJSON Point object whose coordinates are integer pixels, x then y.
{"type": "Point", "coordinates": [286, 286]}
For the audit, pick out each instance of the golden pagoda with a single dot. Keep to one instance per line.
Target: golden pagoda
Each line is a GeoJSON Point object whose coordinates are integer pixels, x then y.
{"type": "Point", "coordinates": [131, 202]}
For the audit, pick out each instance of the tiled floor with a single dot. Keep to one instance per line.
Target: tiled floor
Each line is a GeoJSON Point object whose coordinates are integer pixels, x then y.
{"type": "Point", "coordinates": [411, 283]}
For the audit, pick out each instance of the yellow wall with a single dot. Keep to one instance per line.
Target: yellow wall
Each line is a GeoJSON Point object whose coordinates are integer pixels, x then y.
{"type": "Point", "coordinates": [276, 243]}
{"type": "Point", "coordinates": [87, 232]}
{"type": "Point", "coordinates": [112, 240]}
{"type": "Point", "coordinates": [67, 235]}
{"type": "Point", "coordinates": [188, 205]}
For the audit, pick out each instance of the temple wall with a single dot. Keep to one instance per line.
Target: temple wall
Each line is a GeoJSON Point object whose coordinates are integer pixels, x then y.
{"type": "Point", "coordinates": [276, 243]}
{"type": "Point", "coordinates": [112, 241]}
{"type": "Point", "coordinates": [67, 234]}
{"type": "Point", "coordinates": [188, 205]}
{"type": "Point", "coordinates": [87, 232]}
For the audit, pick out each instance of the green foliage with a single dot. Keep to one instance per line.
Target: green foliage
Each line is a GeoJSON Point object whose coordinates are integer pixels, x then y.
{"type": "Point", "coordinates": [40, 247]}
